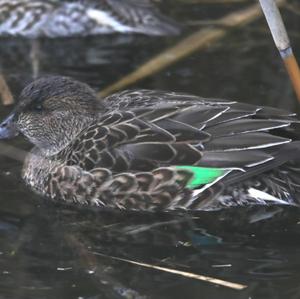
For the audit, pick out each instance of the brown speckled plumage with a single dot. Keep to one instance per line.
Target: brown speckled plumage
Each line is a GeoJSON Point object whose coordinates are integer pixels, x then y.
{"type": "Point", "coordinates": [123, 152]}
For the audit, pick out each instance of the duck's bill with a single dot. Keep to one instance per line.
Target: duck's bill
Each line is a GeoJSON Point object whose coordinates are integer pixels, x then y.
{"type": "Point", "coordinates": [8, 128]}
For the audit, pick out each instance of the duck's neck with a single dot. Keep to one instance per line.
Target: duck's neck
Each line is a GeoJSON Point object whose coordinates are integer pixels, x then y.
{"type": "Point", "coordinates": [45, 157]}
{"type": "Point", "coordinates": [36, 170]}
{"type": "Point", "coordinates": [52, 146]}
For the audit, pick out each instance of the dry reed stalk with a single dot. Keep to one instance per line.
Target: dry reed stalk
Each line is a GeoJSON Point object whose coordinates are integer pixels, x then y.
{"type": "Point", "coordinates": [187, 46]}
{"type": "Point", "coordinates": [282, 42]}
{"type": "Point", "coordinates": [5, 93]}
{"type": "Point", "coordinates": [292, 68]}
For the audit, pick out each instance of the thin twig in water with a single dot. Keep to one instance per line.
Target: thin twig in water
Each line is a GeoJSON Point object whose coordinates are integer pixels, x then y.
{"type": "Point", "coordinates": [6, 96]}
{"type": "Point", "coordinates": [102, 278]}
{"type": "Point", "coordinates": [187, 46]}
{"type": "Point", "coordinates": [213, 280]}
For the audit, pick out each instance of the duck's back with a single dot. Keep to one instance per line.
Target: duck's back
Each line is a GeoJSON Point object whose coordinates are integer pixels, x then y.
{"type": "Point", "coordinates": [239, 154]}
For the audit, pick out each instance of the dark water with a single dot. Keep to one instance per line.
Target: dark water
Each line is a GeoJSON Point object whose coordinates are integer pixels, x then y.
{"type": "Point", "coordinates": [49, 251]}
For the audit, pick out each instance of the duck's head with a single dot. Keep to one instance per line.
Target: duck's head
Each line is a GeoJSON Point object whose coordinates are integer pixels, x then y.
{"type": "Point", "coordinates": [50, 112]}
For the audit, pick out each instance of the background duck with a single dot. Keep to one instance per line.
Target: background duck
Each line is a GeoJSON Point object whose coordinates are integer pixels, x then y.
{"type": "Point", "coordinates": [152, 150]}
{"type": "Point", "coordinates": [53, 18]}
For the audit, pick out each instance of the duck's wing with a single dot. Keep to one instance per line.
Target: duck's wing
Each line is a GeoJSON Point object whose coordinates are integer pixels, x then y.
{"type": "Point", "coordinates": [162, 129]}
{"type": "Point", "coordinates": [219, 143]}
{"type": "Point", "coordinates": [143, 98]}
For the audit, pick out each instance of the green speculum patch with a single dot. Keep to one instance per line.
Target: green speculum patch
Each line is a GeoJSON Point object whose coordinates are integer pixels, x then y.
{"type": "Point", "coordinates": [203, 175]}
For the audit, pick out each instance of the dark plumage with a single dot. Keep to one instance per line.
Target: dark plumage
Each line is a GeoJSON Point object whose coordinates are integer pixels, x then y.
{"type": "Point", "coordinates": [152, 150]}
{"type": "Point", "coordinates": [53, 18]}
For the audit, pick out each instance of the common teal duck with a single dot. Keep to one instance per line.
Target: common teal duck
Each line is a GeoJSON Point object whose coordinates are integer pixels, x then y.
{"type": "Point", "coordinates": [54, 18]}
{"type": "Point", "coordinates": [154, 151]}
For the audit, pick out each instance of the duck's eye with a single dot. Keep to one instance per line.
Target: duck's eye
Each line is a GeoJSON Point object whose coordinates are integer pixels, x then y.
{"type": "Point", "coordinates": [38, 107]}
